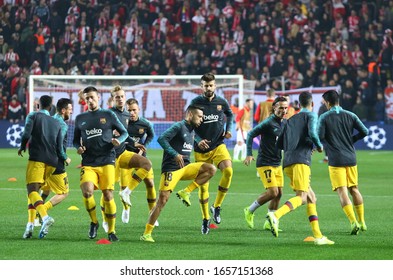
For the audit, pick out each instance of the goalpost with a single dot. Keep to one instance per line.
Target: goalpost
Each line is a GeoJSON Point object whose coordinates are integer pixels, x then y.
{"type": "Point", "coordinates": [162, 99]}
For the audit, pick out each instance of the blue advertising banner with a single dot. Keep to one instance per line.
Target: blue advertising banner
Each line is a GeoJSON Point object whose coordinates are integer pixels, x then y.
{"type": "Point", "coordinates": [380, 136]}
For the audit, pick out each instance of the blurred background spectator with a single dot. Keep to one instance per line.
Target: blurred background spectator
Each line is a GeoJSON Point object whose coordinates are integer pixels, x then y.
{"type": "Point", "coordinates": [309, 42]}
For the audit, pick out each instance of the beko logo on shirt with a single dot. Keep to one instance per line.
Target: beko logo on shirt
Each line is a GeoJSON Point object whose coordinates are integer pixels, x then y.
{"type": "Point", "coordinates": [93, 132]}
{"type": "Point", "coordinates": [187, 146]}
{"type": "Point", "coordinates": [210, 118]}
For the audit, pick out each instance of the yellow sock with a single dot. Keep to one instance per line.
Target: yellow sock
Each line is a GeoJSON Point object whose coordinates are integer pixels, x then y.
{"type": "Point", "coordinates": [151, 197]}
{"type": "Point", "coordinates": [38, 204]}
{"type": "Point", "coordinates": [225, 183]}
{"type": "Point", "coordinates": [148, 229]}
{"type": "Point", "coordinates": [110, 214]}
{"type": "Point", "coordinates": [90, 205]}
{"type": "Point", "coordinates": [360, 212]}
{"type": "Point", "coordinates": [313, 219]}
{"type": "Point", "coordinates": [137, 177]}
{"type": "Point", "coordinates": [191, 187]}
{"type": "Point", "coordinates": [31, 212]}
{"type": "Point", "coordinates": [348, 210]}
{"type": "Point", "coordinates": [288, 206]}
{"type": "Point", "coordinates": [203, 194]}
{"type": "Point", "coordinates": [48, 205]}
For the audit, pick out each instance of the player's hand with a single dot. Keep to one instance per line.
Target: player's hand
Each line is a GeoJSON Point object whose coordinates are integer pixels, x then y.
{"type": "Point", "coordinates": [248, 160]}
{"type": "Point", "coordinates": [67, 161]}
{"type": "Point", "coordinates": [81, 150]}
{"type": "Point", "coordinates": [204, 144]}
{"type": "Point", "coordinates": [116, 133]}
{"type": "Point", "coordinates": [20, 152]}
{"type": "Point", "coordinates": [142, 148]}
{"type": "Point", "coordinates": [115, 142]}
{"type": "Point", "coordinates": [227, 134]}
{"type": "Point", "coordinates": [320, 149]}
{"type": "Point", "coordinates": [179, 160]}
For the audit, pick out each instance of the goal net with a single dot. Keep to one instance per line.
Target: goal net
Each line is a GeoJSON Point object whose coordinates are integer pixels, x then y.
{"type": "Point", "coordinates": [162, 99]}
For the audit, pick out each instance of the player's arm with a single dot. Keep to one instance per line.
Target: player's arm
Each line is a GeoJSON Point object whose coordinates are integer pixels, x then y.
{"type": "Point", "coordinates": [229, 115]}
{"type": "Point", "coordinates": [257, 130]}
{"type": "Point", "coordinates": [63, 132]}
{"type": "Point", "coordinates": [312, 131]}
{"type": "Point", "coordinates": [77, 140]}
{"type": "Point", "coordinates": [149, 133]}
{"type": "Point", "coordinates": [59, 145]}
{"type": "Point", "coordinates": [166, 137]}
{"type": "Point", "coordinates": [119, 127]}
{"type": "Point", "coordinates": [26, 133]}
{"type": "Point", "coordinates": [321, 128]}
{"type": "Point", "coordinates": [360, 127]}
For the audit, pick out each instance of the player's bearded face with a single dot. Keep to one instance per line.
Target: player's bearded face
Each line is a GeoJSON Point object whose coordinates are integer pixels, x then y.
{"type": "Point", "coordinates": [208, 88]}
{"type": "Point", "coordinates": [68, 112]}
{"type": "Point", "coordinates": [197, 118]}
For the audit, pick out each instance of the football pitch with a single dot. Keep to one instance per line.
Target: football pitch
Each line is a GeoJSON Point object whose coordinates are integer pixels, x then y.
{"type": "Point", "coordinates": [179, 235]}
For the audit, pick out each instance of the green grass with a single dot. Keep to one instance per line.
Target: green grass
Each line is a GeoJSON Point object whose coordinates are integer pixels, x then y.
{"type": "Point", "coordinates": [179, 238]}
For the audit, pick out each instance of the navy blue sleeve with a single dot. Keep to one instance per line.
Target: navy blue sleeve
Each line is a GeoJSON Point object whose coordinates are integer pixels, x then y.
{"type": "Point", "coordinates": [27, 131]}
{"type": "Point", "coordinates": [167, 136]}
{"type": "Point", "coordinates": [360, 127]}
{"type": "Point", "coordinates": [150, 133]}
{"type": "Point", "coordinates": [312, 129]}
{"type": "Point", "coordinates": [76, 142]}
{"type": "Point", "coordinates": [117, 124]}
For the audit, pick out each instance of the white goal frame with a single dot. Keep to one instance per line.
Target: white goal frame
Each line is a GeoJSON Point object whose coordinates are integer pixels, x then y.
{"type": "Point", "coordinates": [193, 81]}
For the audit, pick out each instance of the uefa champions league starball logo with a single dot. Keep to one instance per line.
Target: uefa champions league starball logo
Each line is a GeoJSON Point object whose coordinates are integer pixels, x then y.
{"type": "Point", "coordinates": [376, 137]}
{"type": "Point", "coordinates": [14, 135]}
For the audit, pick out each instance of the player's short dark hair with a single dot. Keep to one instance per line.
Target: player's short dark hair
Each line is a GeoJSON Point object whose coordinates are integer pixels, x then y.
{"type": "Point", "coordinates": [45, 101]}
{"type": "Point", "coordinates": [331, 97]}
{"type": "Point", "coordinates": [305, 98]}
{"type": "Point", "coordinates": [131, 101]}
{"type": "Point", "coordinates": [193, 108]}
{"type": "Point", "coordinates": [208, 77]}
{"type": "Point", "coordinates": [279, 99]}
{"type": "Point", "coordinates": [90, 89]}
{"type": "Point", "coordinates": [62, 104]}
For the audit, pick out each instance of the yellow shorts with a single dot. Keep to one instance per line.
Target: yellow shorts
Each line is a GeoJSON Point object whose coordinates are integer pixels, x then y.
{"type": "Point", "coordinates": [300, 176]}
{"type": "Point", "coordinates": [343, 176]}
{"type": "Point", "coordinates": [122, 161]}
{"type": "Point", "coordinates": [215, 156]}
{"type": "Point", "coordinates": [103, 177]}
{"type": "Point", "coordinates": [57, 184]}
{"type": "Point", "coordinates": [169, 180]}
{"type": "Point", "coordinates": [271, 176]}
{"type": "Point", "coordinates": [38, 172]}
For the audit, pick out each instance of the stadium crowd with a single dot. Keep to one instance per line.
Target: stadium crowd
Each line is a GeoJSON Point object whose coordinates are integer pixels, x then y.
{"type": "Point", "coordinates": [308, 42]}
